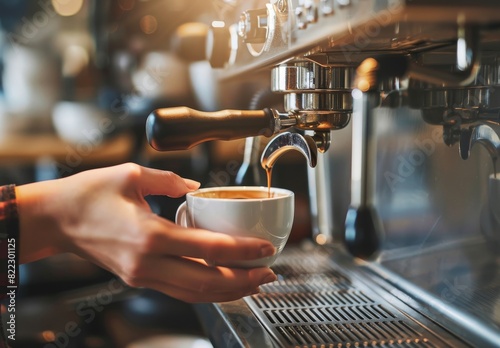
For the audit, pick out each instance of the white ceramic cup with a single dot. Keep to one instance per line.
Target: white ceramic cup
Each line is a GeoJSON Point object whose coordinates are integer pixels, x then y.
{"type": "Point", "coordinates": [269, 218]}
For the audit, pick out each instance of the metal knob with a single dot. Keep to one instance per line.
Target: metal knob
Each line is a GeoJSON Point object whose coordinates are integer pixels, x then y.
{"type": "Point", "coordinates": [252, 27]}
{"type": "Point", "coordinates": [189, 41]}
{"type": "Point", "coordinates": [218, 46]}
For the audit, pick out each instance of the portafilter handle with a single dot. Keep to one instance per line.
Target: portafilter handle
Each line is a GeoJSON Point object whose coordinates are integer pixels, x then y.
{"type": "Point", "coordinates": [181, 128]}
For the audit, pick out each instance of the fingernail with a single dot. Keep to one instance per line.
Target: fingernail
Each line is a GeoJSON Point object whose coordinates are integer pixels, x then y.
{"type": "Point", "coordinates": [268, 250]}
{"type": "Point", "coordinates": [268, 278]}
{"type": "Point", "coordinates": [191, 184]}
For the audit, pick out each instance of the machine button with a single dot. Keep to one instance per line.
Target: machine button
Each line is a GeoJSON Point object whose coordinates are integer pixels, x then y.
{"type": "Point", "coordinates": [189, 41]}
{"type": "Point", "coordinates": [300, 17]}
{"type": "Point", "coordinates": [252, 26]}
{"type": "Point", "coordinates": [342, 3]}
{"type": "Point", "coordinates": [218, 46]}
{"type": "Point", "coordinates": [306, 13]}
{"type": "Point", "coordinates": [326, 7]}
{"type": "Point", "coordinates": [311, 12]}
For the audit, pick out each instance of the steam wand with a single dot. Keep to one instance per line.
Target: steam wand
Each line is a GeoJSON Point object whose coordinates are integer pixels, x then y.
{"type": "Point", "coordinates": [362, 225]}
{"type": "Point", "coordinates": [363, 228]}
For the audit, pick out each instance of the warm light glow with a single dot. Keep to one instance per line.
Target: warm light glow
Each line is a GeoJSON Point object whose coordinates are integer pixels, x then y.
{"type": "Point", "coordinates": [148, 24]}
{"type": "Point", "coordinates": [363, 85]}
{"type": "Point", "coordinates": [67, 7]}
{"type": "Point", "coordinates": [321, 239]}
{"type": "Point", "coordinates": [49, 336]}
{"type": "Point", "coordinates": [368, 65]}
{"type": "Point", "coordinates": [75, 58]}
{"type": "Point", "coordinates": [192, 29]}
{"type": "Point", "coordinates": [126, 5]}
{"type": "Point", "coordinates": [218, 24]}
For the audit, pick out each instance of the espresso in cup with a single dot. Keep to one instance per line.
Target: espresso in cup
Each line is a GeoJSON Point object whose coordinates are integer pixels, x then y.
{"type": "Point", "coordinates": [241, 211]}
{"type": "Point", "coordinates": [237, 194]}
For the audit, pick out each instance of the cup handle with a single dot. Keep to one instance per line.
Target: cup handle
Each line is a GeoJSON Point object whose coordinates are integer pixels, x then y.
{"type": "Point", "coordinates": [180, 215]}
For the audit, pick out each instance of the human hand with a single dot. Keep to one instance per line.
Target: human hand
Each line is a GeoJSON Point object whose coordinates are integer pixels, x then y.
{"type": "Point", "coordinates": [102, 216]}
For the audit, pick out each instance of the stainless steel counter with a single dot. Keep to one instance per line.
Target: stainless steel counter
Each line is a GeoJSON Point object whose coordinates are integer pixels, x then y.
{"type": "Point", "coordinates": [322, 301]}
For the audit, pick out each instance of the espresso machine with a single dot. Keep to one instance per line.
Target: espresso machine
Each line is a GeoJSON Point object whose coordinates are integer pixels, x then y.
{"type": "Point", "coordinates": [394, 104]}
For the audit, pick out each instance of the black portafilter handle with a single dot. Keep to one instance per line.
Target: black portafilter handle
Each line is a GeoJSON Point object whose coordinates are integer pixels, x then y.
{"type": "Point", "coordinates": [181, 128]}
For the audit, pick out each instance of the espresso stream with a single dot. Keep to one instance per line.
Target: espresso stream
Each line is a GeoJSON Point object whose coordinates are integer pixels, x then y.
{"type": "Point", "coordinates": [269, 172]}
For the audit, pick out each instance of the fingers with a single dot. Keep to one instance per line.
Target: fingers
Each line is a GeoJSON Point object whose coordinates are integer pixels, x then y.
{"type": "Point", "coordinates": [194, 281]}
{"type": "Point", "coordinates": [197, 297]}
{"type": "Point", "coordinates": [172, 239]}
{"type": "Point", "coordinates": [191, 184]}
{"type": "Point", "coordinates": [160, 182]}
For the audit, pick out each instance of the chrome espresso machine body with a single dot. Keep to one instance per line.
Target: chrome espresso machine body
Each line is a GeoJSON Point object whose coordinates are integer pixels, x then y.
{"type": "Point", "coordinates": [398, 101]}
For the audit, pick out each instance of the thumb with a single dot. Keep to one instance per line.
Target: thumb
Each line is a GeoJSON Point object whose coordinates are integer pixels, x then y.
{"type": "Point", "coordinates": [161, 182]}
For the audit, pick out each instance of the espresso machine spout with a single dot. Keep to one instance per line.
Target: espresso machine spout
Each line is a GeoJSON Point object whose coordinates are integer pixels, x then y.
{"type": "Point", "coordinates": [285, 142]}
{"type": "Point", "coordinates": [481, 134]}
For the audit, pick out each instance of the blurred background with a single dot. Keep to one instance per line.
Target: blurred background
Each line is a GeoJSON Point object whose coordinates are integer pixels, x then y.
{"type": "Point", "coordinates": [78, 80]}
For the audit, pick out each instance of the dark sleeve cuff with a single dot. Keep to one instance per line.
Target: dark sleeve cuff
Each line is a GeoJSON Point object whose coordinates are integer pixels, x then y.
{"type": "Point", "coordinates": [9, 239]}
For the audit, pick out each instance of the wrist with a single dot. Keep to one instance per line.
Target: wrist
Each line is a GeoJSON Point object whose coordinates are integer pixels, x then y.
{"type": "Point", "coordinates": [38, 226]}
{"type": "Point", "coordinates": [9, 238]}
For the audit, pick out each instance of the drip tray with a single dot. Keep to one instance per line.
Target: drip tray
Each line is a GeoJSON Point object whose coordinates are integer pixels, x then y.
{"type": "Point", "coordinates": [315, 305]}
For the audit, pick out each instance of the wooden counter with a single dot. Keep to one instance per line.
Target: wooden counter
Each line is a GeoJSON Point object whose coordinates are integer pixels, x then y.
{"type": "Point", "coordinates": [29, 148]}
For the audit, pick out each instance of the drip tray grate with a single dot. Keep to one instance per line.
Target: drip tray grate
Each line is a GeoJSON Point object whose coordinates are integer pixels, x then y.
{"type": "Point", "coordinates": [312, 305]}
